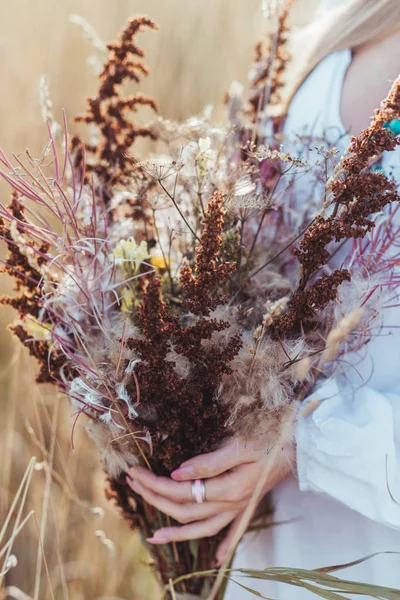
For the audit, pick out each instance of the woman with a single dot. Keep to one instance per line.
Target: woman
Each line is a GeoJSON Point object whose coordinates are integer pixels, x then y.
{"type": "Point", "coordinates": [340, 506]}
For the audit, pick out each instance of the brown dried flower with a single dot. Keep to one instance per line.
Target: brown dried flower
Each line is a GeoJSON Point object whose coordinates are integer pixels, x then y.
{"type": "Point", "coordinates": [270, 65]}
{"type": "Point", "coordinates": [111, 112]}
{"type": "Point", "coordinates": [357, 193]}
{"type": "Point", "coordinates": [210, 272]}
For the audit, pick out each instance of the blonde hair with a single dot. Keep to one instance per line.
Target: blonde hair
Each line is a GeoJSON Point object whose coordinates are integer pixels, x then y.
{"type": "Point", "coordinates": [350, 25]}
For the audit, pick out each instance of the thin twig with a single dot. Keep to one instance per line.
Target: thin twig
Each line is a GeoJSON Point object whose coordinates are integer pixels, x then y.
{"type": "Point", "coordinates": [271, 260]}
{"type": "Point", "coordinates": [171, 589]}
{"type": "Point", "coordinates": [44, 559]}
{"type": "Point", "coordinates": [172, 198]}
{"type": "Point", "coordinates": [45, 505]}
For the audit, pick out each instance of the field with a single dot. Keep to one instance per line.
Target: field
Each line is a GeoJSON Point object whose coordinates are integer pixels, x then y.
{"type": "Point", "coordinates": [74, 546]}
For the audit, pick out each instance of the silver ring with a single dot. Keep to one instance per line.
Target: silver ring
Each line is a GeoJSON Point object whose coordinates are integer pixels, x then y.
{"type": "Point", "coordinates": [194, 492]}
{"type": "Point", "coordinates": [198, 491]}
{"type": "Point", "coordinates": [203, 490]}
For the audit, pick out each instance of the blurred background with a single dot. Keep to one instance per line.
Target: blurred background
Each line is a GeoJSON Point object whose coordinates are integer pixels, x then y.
{"type": "Point", "coordinates": [74, 546]}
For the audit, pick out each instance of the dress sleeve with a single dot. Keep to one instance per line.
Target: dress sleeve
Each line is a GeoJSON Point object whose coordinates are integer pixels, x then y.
{"type": "Point", "coordinates": [349, 447]}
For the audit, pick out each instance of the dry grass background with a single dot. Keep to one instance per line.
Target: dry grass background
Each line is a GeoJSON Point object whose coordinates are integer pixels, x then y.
{"type": "Point", "coordinates": [202, 46]}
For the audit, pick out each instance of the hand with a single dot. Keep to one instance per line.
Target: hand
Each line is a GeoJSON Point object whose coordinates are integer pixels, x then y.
{"type": "Point", "coordinates": [231, 475]}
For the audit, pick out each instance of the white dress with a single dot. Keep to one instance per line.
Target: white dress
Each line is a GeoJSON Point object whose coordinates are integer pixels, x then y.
{"type": "Point", "coordinates": [348, 451]}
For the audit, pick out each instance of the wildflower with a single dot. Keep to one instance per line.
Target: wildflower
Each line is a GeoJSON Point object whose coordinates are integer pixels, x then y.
{"type": "Point", "coordinates": [129, 255]}
{"type": "Point", "coordinates": [248, 198]}
{"type": "Point", "coordinates": [111, 112]}
{"type": "Point", "coordinates": [158, 262]}
{"type": "Point", "coordinates": [161, 167]}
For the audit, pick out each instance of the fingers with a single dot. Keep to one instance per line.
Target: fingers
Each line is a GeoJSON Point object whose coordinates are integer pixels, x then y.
{"type": "Point", "coordinates": [217, 490]}
{"type": "Point", "coordinates": [183, 513]}
{"type": "Point", "coordinates": [233, 486]}
{"type": "Point", "coordinates": [194, 531]}
{"type": "Point", "coordinates": [214, 463]}
{"type": "Point", "coordinates": [179, 492]}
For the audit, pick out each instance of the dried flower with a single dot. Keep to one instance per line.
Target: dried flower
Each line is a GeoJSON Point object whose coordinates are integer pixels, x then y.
{"type": "Point", "coordinates": [209, 272]}
{"type": "Point", "coordinates": [270, 65]}
{"type": "Point", "coordinates": [339, 334]}
{"type": "Point", "coordinates": [111, 113]}
{"type": "Point", "coordinates": [303, 368]}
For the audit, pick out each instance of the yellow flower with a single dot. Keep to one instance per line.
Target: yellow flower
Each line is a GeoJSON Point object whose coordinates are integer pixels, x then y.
{"type": "Point", "coordinates": [127, 298]}
{"type": "Point", "coordinates": [158, 262]}
{"type": "Point", "coordinates": [129, 254]}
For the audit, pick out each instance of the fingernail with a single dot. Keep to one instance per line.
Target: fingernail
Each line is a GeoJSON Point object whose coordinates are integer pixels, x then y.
{"type": "Point", "coordinates": [157, 540]}
{"type": "Point", "coordinates": [186, 472]}
{"type": "Point", "coordinates": [134, 485]}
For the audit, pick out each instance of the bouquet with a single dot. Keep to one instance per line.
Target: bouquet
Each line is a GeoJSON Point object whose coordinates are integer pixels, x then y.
{"type": "Point", "coordinates": [183, 299]}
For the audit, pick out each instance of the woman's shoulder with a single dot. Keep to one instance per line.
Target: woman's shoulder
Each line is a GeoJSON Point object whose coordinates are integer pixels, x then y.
{"type": "Point", "coordinates": [372, 70]}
